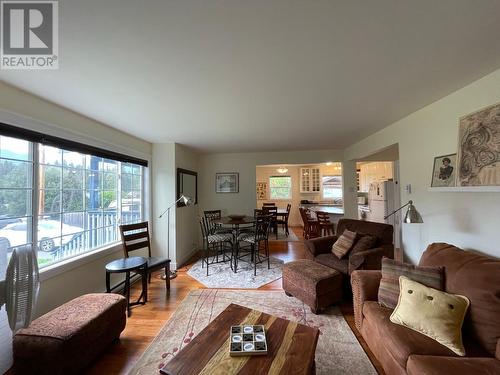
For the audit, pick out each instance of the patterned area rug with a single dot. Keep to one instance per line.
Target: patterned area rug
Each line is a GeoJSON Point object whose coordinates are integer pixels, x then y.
{"type": "Point", "coordinates": [338, 351]}
{"type": "Point", "coordinates": [220, 275]}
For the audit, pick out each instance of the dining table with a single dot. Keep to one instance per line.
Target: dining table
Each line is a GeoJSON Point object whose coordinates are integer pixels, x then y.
{"type": "Point", "coordinates": [235, 223]}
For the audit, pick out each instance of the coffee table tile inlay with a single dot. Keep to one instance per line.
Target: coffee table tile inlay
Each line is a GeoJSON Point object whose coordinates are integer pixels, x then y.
{"type": "Point", "coordinates": [291, 347]}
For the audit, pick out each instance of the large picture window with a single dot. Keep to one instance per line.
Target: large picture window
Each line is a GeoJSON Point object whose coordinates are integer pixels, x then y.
{"type": "Point", "coordinates": [332, 188]}
{"type": "Point", "coordinates": [65, 202]}
{"type": "Point", "coordinates": [280, 187]}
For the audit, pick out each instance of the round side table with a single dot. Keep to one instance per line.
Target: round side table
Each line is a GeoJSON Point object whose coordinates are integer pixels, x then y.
{"type": "Point", "coordinates": [127, 265]}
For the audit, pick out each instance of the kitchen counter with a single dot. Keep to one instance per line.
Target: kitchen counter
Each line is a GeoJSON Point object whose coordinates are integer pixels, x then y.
{"type": "Point", "coordinates": [329, 208]}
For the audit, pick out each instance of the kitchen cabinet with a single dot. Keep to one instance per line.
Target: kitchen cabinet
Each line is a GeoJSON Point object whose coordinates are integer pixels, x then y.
{"type": "Point", "coordinates": [374, 172]}
{"type": "Point", "coordinates": [310, 180]}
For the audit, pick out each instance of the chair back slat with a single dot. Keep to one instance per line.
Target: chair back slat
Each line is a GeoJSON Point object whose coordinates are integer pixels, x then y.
{"type": "Point", "coordinates": [270, 204]}
{"type": "Point", "coordinates": [135, 237]}
{"type": "Point", "coordinates": [323, 217]}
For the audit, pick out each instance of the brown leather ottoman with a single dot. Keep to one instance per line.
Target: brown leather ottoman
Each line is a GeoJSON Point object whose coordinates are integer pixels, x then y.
{"type": "Point", "coordinates": [316, 285]}
{"type": "Point", "coordinates": [68, 338]}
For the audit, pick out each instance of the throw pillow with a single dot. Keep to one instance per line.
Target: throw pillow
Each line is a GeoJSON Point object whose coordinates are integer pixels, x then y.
{"type": "Point", "coordinates": [364, 242]}
{"type": "Point", "coordinates": [343, 244]}
{"type": "Point", "coordinates": [388, 291]}
{"type": "Point", "coordinates": [433, 313]}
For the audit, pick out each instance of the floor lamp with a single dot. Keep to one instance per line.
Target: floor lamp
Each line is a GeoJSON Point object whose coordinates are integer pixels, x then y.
{"type": "Point", "coordinates": [412, 215]}
{"type": "Point", "coordinates": [187, 202]}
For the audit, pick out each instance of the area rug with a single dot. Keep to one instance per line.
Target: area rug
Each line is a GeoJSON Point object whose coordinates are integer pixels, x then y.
{"type": "Point", "coordinates": [220, 275]}
{"type": "Point", "coordinates": [338, 351]}
{"type": "Point", "coordinates": [283, 237]}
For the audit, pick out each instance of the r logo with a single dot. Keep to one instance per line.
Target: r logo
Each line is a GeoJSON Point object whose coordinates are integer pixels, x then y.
{"type": "Point", "coordinates": [29, 29]}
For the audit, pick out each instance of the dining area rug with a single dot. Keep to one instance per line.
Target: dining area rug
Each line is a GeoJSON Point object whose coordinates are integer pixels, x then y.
{"type": "Point", "coordinates": [220, 275]}
{"type": "Point", "coordinates": [338, 351]}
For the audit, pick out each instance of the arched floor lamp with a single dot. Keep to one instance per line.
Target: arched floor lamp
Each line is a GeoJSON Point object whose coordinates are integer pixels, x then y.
{"type": "Point", "coordinates": [187, 202]}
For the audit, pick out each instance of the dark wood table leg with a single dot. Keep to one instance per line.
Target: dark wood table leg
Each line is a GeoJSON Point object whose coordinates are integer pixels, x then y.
{"type": "Point", "coordinates": [127, 291]}
{"type": "Point", "coordinates": [108, 282]}
{"type": "Point", "coordinates": [144, 278]}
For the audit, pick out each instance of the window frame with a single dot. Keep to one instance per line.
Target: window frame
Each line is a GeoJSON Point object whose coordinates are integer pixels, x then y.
{"type": "Point", "coordinates": [323, 186]}
{"type": "Point", "coordinates": [290, 197]}
{"type": "Point", "coordinates": [33, 214]}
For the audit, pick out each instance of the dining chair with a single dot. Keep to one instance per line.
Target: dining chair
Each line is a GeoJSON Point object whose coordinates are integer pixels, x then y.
{"type": "Point", "coordinates": [218, 243]}
{"type": "Point", "coordinates": [310, 225]}
{"type": "Point", "coordinates": [136, 237]}
{"type": "Point", "coordinates": [213, 227]}
{"type": "Point", "coordinates": [272, 212]}
{"type": "Point", "coordinates": [255, 241]}
{"type": "Point", "coordinates": [283, 219]}
{"type": "Point", "coordinates": [326, 227]}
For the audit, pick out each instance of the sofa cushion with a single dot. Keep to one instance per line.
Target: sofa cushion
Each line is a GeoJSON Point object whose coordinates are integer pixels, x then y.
{"type": "Point", "coordinates": [330, 260]}
{"type": "Point", "coordinates": [344, 243]}
{"type": "Point", "coordinates": [388, 292]}
{"type": "Point", "coordinates": [477, 277]}
{"type": "Point", "coordinates": [438, 315]}
{"type": "Point", "coordinates": [311, 276]}
{"type": "Point", "coordinates": [383, 232]}
{"type": "Point", "coordinates": [363, 242]}
{"type": "Point", "coordinates": [400, 341]}
{"type": "Point", "coordinates": [431, 365]}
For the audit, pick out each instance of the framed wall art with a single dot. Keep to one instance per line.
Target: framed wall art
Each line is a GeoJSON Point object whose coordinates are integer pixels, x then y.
{"type": "Point", "coordinates": [261, 190]}
{"type": "Point", "coordinates": [479, 148]}
{"type": "Point", "coordinates": [227, 182]}
{"type": "Point", "coordinates": [444, 171]}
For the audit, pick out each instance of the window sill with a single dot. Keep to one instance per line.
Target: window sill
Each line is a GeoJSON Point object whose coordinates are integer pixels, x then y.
{"type": "Point", "coordinates": [78, 261]}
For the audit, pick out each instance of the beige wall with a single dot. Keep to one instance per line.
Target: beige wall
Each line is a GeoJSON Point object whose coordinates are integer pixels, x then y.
{"type": "Point", "coordinates": [469, 220]}
{"type": "Point", "coordinates": [25, 110]}
{"type": "Point", "coordinates": [245, 164]}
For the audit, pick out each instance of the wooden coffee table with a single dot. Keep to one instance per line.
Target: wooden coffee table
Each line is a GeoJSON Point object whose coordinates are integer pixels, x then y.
{"type": "Point", "coordinates": [291, 347]}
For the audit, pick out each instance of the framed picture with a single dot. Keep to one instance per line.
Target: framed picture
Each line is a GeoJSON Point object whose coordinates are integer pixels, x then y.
{"type": "Point", "coordinates": [261, 190]}
{"type": "Point", "coordinates": [227, 182]}
{"type": "Point", "coordinates": [479, 148]}
{"type": "Point", "coordinates": [444, 171]}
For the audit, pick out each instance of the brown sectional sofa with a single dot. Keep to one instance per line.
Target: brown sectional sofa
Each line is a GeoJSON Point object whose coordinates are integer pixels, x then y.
{"type": "Point", "coordinates": [404, 351]}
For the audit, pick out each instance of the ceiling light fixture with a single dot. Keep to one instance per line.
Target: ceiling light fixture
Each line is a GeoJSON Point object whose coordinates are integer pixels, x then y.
{"type": "Point", "coordinates": [282, 170]}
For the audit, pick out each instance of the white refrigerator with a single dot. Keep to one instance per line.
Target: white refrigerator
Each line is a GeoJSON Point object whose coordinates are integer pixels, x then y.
{"type": "Point", "coordinates": [381, 201]}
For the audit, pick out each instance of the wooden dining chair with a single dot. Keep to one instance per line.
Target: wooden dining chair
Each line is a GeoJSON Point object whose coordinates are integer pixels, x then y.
{"type": "Point", "coordinates": [136, 237]}
{"type": "Point", "coordinates": [311, 228]}
{"type": "Point", "coordinates": [283, 219]}
{"type": "Point", "coordinates": [326, 227]}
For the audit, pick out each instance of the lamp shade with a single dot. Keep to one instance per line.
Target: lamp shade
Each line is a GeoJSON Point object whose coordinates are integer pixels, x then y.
{"type": "Point", "coordinates": [412, 215]}
{"type": "Point", "coordinates": [186, 201]}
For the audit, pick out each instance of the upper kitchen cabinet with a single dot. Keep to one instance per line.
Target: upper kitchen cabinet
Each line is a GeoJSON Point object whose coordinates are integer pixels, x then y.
{"type": "Point", "coordinates": [310, 180]}
{"type": "Point", "coordinates": [374, 172]}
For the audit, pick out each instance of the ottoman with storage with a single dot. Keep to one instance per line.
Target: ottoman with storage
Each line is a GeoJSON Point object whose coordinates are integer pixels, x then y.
{"type": "Point", "coordinates": [68, 338]}
{"type": "Point", "coordinates": [314, 284]}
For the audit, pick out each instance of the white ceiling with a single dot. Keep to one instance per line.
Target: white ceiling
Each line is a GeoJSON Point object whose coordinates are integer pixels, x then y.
{"type": "Point", "coordinates": [255, 75]}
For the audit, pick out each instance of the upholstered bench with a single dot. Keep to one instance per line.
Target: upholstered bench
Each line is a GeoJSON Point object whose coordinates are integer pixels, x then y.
{"type": "Point", "coordinates": [68, 338]}
{"type": "Point", "coordinates": [314, 284]}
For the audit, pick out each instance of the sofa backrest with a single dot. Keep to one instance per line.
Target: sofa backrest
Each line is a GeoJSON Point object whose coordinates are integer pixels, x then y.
{"type": "Point", "coordinates": [478, 278]}
{"type": "Point", "coordinates": [383, 231]}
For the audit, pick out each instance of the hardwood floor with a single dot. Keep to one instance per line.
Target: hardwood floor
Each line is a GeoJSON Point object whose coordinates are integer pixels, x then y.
{"type": "Point", "coordinates": [146, 321]}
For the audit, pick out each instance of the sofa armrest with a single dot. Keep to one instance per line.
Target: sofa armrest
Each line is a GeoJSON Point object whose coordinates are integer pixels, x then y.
{"type": "Point", "coordinates": [369, 259]}
{"type": "Point", "coordinates": [497, 353]}
{"type": "Point", "coordinates": [364, 288]}
{"type": "Point", "coordinates": [320, 245]}
{"type": "Point", "coordinates": [435, 365]}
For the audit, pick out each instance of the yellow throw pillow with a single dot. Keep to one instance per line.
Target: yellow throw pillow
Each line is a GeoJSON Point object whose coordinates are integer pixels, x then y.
{"type": "Point", "coordinates": [433, 313]}
{"type": "Point", "coordinates": [344, 243]}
